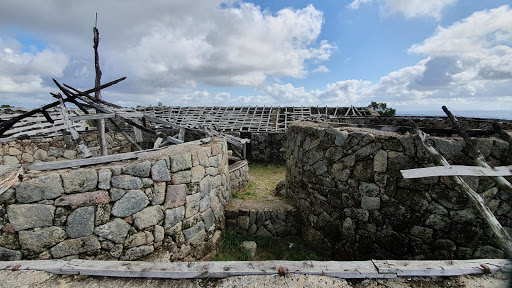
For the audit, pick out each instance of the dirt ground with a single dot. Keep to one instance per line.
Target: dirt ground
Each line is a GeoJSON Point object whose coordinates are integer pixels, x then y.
{"type": "Point", "coordinates": [43, 279]}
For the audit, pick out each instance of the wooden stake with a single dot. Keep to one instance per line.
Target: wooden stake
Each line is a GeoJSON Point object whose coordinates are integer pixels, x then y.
{"type": "Point", "coordinates": [101, 122]}
{"type": "Point", "coordinates": [478, 157]}
{"type": "Point", "coordinates": [502, 237]}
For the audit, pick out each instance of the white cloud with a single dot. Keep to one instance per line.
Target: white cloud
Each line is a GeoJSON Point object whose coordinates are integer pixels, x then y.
{"type": "Point", "coordinates": [321, 69]}
{"type": "Point", "coordinates": [169, 44]}
{"type": "Point", "coordinates": [22, 72]}
{"type": "Point", "coordinates": [408, 8]}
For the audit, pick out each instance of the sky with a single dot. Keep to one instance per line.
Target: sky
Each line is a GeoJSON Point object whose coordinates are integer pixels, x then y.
{"type": "Point", "coordinates": [414, 55]}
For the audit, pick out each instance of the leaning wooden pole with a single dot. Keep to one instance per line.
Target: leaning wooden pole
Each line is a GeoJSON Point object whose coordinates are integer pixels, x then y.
{"type": "Point", "coordinates": [502, 237]}
{"type": "Point", "coordinates": [478, 157]}
{"type": "Point", "coordinates": [100, 123]}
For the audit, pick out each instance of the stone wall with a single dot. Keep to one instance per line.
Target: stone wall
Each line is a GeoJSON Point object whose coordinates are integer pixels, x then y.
{"type": "Point", "coordinates": [173, 198]}
{"type": "Point", "coordinates": [266, 147]}
{"type": "Point", "coordinates": [239, 176]}
{"type": "Point", "coordinates": [353, 202]}
{"type": "Point", "coordinates": [275, 218]}
{"type": "Point", "coordinates": [58, 148]}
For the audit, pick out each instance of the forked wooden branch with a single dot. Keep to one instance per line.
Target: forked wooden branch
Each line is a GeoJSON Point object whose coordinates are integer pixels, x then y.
{"type": "Point", "coordinates": [501, 235]}
{"type": "Point", "coordinates": [71, 129]}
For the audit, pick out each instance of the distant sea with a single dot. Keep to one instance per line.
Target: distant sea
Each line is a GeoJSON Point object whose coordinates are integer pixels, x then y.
{"type": "Point", "coordinates": [487, 114]}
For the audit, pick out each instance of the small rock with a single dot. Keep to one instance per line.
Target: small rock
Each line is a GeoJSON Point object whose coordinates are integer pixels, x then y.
{"type": "Point", "coordinates": [250, 246]}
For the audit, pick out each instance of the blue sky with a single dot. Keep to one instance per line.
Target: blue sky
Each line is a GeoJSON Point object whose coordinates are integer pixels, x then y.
{"type": "Point", "coordinates": [414, 54]}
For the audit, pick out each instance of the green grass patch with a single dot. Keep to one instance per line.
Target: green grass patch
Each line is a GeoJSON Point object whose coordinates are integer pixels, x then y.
{"type": "Point", "coordinates": [263, 179]}
{"type": "Point", "coordinates": [290, 248]}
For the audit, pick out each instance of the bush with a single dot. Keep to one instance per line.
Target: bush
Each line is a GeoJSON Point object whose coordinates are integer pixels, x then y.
{"type": "Point", "coordinates": [382, 108]}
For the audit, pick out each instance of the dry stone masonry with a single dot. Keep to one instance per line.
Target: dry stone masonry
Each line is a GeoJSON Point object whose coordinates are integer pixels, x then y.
{"type": "Point", "coordinates": [353, 202]}
{"type": "Point", "coordinates": [172, 198]}
{"type": "Point", "coordinates": [57, 148]}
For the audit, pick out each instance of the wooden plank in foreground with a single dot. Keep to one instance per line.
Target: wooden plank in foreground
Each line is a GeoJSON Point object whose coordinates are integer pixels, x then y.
{"type": "Point", "coordinates": [184, 270]}
{"type": "Point", "coordinates": [404, 268]}
{"type": "Point", "coordinates": [456, 170]}
{"type": "Point", "coordinates": [51, 266]}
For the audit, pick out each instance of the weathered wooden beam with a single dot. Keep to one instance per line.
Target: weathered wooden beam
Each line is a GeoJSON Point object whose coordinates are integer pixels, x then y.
{"type": "Point", "coordinates": [436, 268]}
{"type": "Point", "coordinates": [130, 122]}
{"type": "Point", "coordinates": [502, 236]}
{"type": "Point", "coordinates": [82, 162]}
{"type": "Point", "coordinates": [457, 170]}
{"type": "Point", "coordinates": [72, 131]}
{"type": "Point", "coordinates": [475, 153]}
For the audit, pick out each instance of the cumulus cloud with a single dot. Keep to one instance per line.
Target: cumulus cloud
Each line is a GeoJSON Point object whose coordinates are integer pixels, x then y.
{"type": "Point", "coordinates": [468, 64]}
{"type": "Point", "coordinates": [408, 8]}
{"type": "Point", "coordinates": [172, 44]}
{"type": "Point", "coordinates": [22, 72]}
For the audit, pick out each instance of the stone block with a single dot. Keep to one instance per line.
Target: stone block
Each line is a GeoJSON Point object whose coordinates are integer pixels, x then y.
{"type": "Point", "coordinates": [174, 216]}
{"type": "Point", "coordinates": [83, 199]}
{"type": "Point", "coordinates": [175, 196]}
{"type": "Point", "coordinates": [158, 193]}
{"type": "Point", "coordinates": [104, 176]}
{"type": "Point", "coordinates": [40, 155]}
{"type": "Point", "coordinates": [380, 161]}
{"type": "Point", "coordinates": [368, 189]}
{"type": "Point", "coordinates": [127, 182]}
{"type": "Point", "coordinates": [192, 205]}
{"type": "Point", "coordinates": [191, 232]}
{"type": "Point", "coordinates": [208, 219]}
{"type": "Point", "coordinates": [243, 222]}
{"type": "Point", "coordinates": [115, 230]}
{"type": "Point", "coordinates": [132, 202]}
{"type": "Point", "coordinates": [10, 160]}
{"type": "Point", "coordinates": [204, 203]}
{"type": "Point", "coordinates": [116, 193]}
{"type": "Point", "coordinates": [75, 246]}
{"type": "Point", "coordinates": [81, 180]}
{"type": "Point", "coordinates": [137, 252]}
{"type": "Point", "coordinates": [9, 254]}
{"type": "Point", "coordinates": [159, 233]}
{"type": "Point", "coordinates": [198, 238]}
{"type": "Point", "coordinates": [159, 171]}
{"type": "Point", "coordinates": [26, 216]}
{"type": "Point", "coordinates": [102, 214]}
{"type": "Point", "coordinates": [205, 185]}
{"type": "Point", "coordinates": [41, 188]}
{"type": "Point", "coordinates": [181, 162]}
{"type": "Point", "coordinates": [40, 239]}
{"type": "Point", "coordinates": [197, 173]}
{"type": "Point", "coordinates": [182, 177]}
{"type": "Point", "coordinates": [141, 169]}
{"type": "Point", "coordinates": [148, 217]}
{"type": "Point", "coordinates": [370, 203]}
{"type": "Point", "coordinates": [80, 222]}
{"type": "Point", "coordinates": [139, 239]}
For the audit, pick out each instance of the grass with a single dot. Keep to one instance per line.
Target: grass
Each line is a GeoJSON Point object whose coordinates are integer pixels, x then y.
{"type": "Point", "coordinates": [290, 248]}
{"type": "Point", "coordinates": [263, 179]}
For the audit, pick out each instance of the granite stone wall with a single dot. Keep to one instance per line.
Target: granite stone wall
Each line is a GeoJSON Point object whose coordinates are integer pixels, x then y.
{"type": "Point", "coordinates": [353, 202]}
{"type": "Point", "coordinates": [239, 176]}
{"type": "Point", "coordinates": [58, 148]}
{"type": "Point", "coordinates": [266, 147]}
{"type": "Point", "coordinates": [172, 198]}
{"type": "Point", "coordinates": [265, 219]}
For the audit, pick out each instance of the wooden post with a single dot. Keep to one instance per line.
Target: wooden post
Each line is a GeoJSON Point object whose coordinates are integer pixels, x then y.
{"type": "Point", "coordinates": [501, 235]}
{"type": "Point", "coordinates": [476, 154]}
{"type": "Point", "coordinates": [100, 122]}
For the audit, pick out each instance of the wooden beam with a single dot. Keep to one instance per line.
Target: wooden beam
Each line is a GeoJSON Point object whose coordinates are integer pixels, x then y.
{"type": "Point", "coordinates": [436, 268]}
{"type": "Point", "coordinates": [72, 131]}
{"type": "Point", "coordinates": [475, 153]}
{"type": "Point", "coordinates": [222, 269]}
{"type": "Point", "coordinates": [502, 236]}
{"type": "Point", "coordinates": [375, 269]}
{"type": "Point", "coordinates": [456, 170]}
{"type": "Point", "coordinates": [82, 162]}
